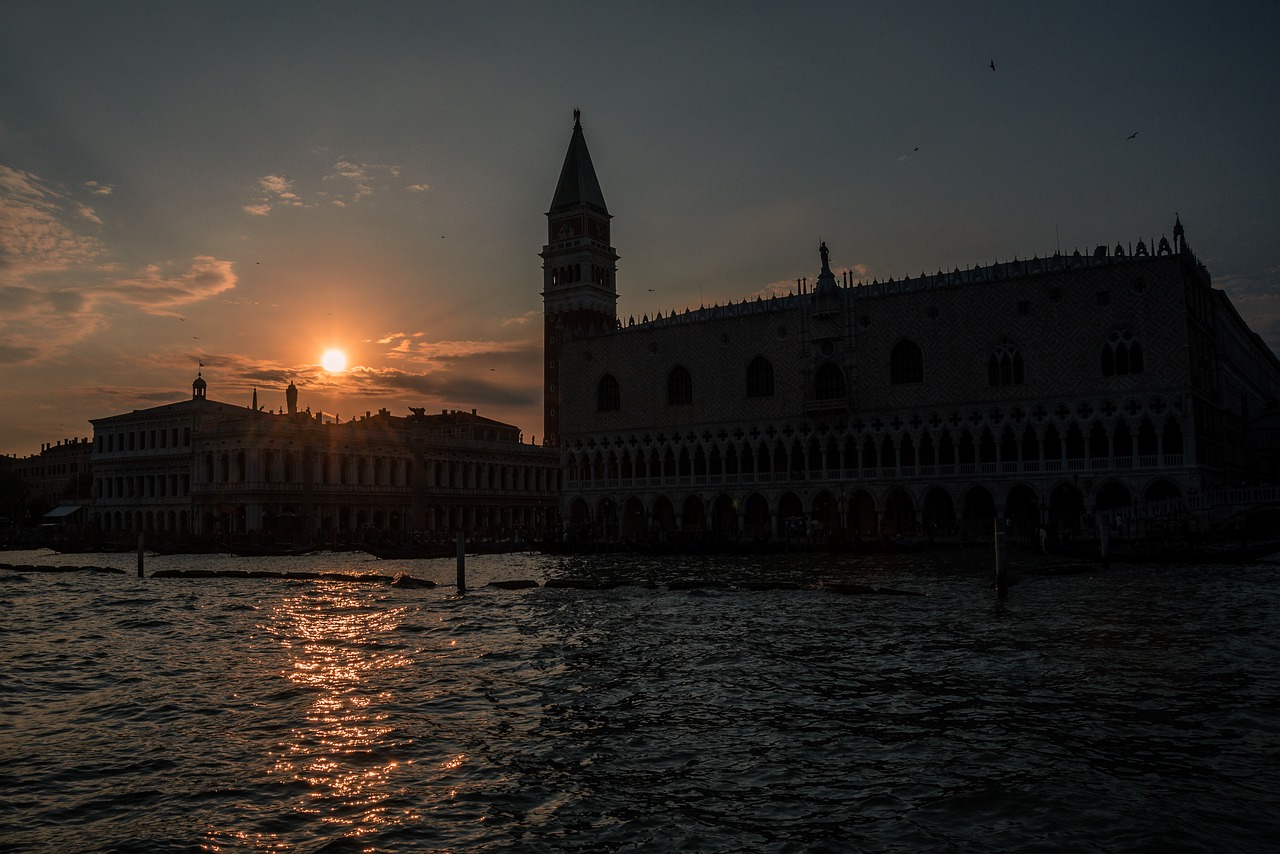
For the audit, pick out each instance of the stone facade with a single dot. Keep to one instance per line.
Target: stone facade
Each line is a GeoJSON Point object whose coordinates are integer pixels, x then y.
{"type": "Point", "coordinates": [1037, 391]}
{"type": "Point", "coordinates": [54, 475]}
{"type": "Point", "coordinates": [433, 475]}
{"type": "Point", "coordinates": [142, 465]}
{"type": "Point", "coordinates": [201, 468]}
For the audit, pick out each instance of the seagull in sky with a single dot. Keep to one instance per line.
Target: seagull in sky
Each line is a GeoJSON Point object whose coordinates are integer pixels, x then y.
{"type": "Point", "coordinates": [1131, 136]}
{"type": "Point", "coordinates": [993, 65]}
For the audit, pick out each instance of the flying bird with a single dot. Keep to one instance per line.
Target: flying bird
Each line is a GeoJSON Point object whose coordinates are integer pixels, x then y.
{"type": "Point", "coordinates": [1132, 135]}
{"type": "Point", "coordinates": [993, 65]}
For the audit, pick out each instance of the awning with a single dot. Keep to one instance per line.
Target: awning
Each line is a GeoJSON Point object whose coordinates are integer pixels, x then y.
{"type": "Point", "coordinates": [63, 511]}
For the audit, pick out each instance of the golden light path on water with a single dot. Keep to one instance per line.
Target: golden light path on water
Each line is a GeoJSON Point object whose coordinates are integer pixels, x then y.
{"type": "Point", "coordinates": [348, 754]}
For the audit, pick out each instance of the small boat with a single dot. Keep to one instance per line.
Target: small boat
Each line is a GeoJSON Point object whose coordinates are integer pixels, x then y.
{"type": "Point", "coordinates": [80, 548]}
{"type": "Point", "coordinates": [410, 552]}
{"type": "Point", "coordinates": [184, 548]}
{"type": "Point", "coordinates": [280, 550]}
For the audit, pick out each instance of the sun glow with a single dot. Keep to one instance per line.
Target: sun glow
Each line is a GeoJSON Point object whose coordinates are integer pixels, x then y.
{"type": "Point", "coordinates": [334, 361]}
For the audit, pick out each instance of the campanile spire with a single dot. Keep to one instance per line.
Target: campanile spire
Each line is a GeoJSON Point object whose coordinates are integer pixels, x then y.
{"type": "Point", "coordinates": [579, 267]}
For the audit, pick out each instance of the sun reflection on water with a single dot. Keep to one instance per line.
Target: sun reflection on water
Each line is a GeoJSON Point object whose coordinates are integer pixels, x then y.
{"type": "Point", "coordinates": [347, 753]}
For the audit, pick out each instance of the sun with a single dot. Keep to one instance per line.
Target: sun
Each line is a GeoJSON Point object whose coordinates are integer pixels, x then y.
{"type": "Point", "coordinates": [334, 361]}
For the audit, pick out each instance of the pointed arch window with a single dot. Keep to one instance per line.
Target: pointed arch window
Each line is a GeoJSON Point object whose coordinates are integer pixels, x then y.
{"type": "Point", "coordinates": [1121, 354]}
{"type": "Point", "coordinates": [1004, 365]}
{"type": "Point", "coordinates": [608, 396]}
{"type": "Point", "coordinates": [906, 363]}
{"type": "Point", "coordinates": [760, 377]}
{"type": "Point", "coordinates": [828, 382]}
{"type": "Point", "coordinates": [679, 386]}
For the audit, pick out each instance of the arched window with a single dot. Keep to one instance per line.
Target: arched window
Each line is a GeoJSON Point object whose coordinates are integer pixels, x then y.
{"type": "Point", "coordinates": [1004, 366]}
{"type": "Point", "coordinates": [679, 386]}
{"type": "Point", "coordinates": [828, 382]}
{"type": "Point", "coordinates": [1121, 354]}
{"type": "Point", "coordinates": [608, 398]}
{"type": "Point", "coordinates": [906, 365]}
{"type": "Point", "coordinates": [760, 378]}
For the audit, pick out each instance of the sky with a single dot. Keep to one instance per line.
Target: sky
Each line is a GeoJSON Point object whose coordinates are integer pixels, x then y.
{"type": "Point", "coordinates": [236, 188]}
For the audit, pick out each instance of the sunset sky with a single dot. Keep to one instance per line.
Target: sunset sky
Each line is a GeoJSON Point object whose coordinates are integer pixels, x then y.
{"type": "Point", "coordinates": [248, 185]}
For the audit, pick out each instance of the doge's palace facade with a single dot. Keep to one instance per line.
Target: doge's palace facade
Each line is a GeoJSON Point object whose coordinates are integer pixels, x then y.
{"type": "Point", "coordinates": [1038, 391]}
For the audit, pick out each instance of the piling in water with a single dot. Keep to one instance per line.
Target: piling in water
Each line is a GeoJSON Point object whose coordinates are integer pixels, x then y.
{"type": "Point", "coordinates": [1002, 569]}
{"type": "Point", "coordinates": [140, 550]}
{"type": "Point", "coordinates": [462, 563]}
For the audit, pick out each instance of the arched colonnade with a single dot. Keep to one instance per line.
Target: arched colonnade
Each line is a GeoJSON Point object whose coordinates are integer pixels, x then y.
{"type": "Point", "coordinates": [966, 510]}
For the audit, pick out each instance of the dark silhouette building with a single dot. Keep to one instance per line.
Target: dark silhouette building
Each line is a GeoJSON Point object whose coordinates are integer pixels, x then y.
{"type": "Point", "coordinates": [1038, 391]}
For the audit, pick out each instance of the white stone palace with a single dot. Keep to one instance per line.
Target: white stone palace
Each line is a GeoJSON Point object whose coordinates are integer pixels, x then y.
{"type": "Point", "coordinates": [1037, 391]}
{"type": "Point", "coordinates": [202, 468]}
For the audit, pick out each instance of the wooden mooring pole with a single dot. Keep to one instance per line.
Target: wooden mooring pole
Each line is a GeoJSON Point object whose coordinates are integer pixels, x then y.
{"type": "Point", "coordinates": [1104, 539]}
{"type": "Point", "coordinates": [1002, 569]}
{"type": "Point", "coordinates": [140, 550]}
{"type": "Point", "coordinates": [462, 562]}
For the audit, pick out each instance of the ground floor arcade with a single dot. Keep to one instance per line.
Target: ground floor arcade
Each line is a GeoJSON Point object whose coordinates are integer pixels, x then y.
{"type": "Point", "coordinates": [1062, 507]}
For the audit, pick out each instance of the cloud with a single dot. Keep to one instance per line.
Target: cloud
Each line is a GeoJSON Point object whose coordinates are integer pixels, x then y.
{"type": "Point", "coordinates": [347, 182]}
{"type": "Point", "coordinates": [16, 354]}
{"type": "Point", "coordinates": [273, 190]}
{"type": "Point", "coordinates": [416, 347]}
{"type": "Point", "coordinates": [56, 286]}
{"type": "Point", "coordinates": [232, 379]}
{"type": "Point", "coordinates": [36, 234]}
{"type": "Point", "coordinates": [527, 317]}
{"type": "Point", "coordinates": [158, 292]}
{"type": "Point", "coordinates": [86, 212]}
{"type": "Point", "coordinates": [439, 387]}
{"type": "Point", "coordinates": [275, 184]}
{"type": "Point", "coordinates": [37, 323]}
{"type": "Point", "coordinates": [355, 180]}
{"type": "Point", "coordinates": [778, 289]}
{"type": "Point", "coordinates": [99, 189]}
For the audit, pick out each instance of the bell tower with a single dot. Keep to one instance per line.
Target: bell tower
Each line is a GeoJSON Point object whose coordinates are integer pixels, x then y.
{"type": "Point", "coordinates": [579, 269]}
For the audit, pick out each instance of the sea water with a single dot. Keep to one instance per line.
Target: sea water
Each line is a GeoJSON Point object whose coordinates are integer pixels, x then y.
{"type": "Point", "coordinates": [1131, 709]}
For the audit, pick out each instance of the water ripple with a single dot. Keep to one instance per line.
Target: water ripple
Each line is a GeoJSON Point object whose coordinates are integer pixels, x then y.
{"type": "Point", "coordinates": [1131, 710]}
